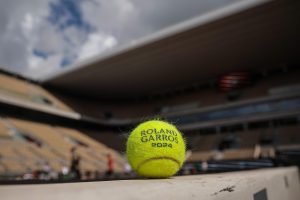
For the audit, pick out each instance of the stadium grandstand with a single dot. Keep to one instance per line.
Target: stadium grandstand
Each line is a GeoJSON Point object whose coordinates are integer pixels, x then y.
{"type": "Point", "coordinates": [29, 146]}
{"type": "Point", "coordinates": [229, 80]}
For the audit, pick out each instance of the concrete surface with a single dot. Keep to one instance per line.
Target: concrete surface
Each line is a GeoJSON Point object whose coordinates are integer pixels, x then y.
{"type": "Point", "coordinates": [265, 184]}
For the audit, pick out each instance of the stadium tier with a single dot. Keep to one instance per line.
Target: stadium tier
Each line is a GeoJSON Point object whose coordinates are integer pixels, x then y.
{"type": "Point", "coordinates": [11, 87]}
{"type": "Point", "coordinates": [248, 127]}
{"type": "Point", "coordinates": [28, 146]}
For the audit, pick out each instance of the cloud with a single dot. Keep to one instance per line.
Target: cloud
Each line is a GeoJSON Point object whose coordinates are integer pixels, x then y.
{"type": "Point", "coordinates": [95, 44]}
{"type": "Point", "coordinates": [39, 37]}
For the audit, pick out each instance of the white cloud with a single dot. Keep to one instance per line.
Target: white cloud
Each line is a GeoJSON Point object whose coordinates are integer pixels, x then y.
{"type": "Point", "coordinates": [96, 43]}
{"type": "Point", "coordinates": [40, 67]}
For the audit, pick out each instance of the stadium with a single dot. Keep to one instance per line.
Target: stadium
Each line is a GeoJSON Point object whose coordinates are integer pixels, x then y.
{"type": "Point", "coordinates": [229, 80]}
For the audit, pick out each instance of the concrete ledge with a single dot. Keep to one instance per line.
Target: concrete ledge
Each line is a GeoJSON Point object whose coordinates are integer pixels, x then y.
{"type": "Point", "coordinates": [266, 184]}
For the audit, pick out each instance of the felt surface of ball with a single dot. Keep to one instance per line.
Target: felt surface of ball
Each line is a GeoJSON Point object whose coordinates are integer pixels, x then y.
{"type": "Point", "coordinates": [155, 149]}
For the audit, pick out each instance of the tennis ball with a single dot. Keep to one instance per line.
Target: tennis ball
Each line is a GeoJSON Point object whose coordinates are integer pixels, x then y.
{"type": "Point", "coordinates": [155, 149]}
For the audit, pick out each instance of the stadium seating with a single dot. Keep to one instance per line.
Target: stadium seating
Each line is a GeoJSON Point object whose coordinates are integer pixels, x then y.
{"type": "Point", "coordinates": [22, 90]}
{"type": "Point", "coordinates": [251, 144]}
{"type": "Point", "coordinates": [238, 154]}
{"type": "Point", "coordinates": [204, 97]}
{"type": "Point", "coordinates": [205, 142]}
{"type": "Point", "coordinates": [51, 145]}
{"type": "Point", "coordinates": [201, 156]}
{"type": "Point", "coordinates": [248, 139]}
{"type": "Point", "coordinates": [288, 135]}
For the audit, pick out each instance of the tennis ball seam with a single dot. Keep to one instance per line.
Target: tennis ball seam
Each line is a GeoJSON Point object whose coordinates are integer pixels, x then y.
{"type": "Point", "coordinates": [157, 158]}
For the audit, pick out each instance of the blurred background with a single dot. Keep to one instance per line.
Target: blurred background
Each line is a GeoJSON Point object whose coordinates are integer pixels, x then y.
{"type": "Point", "coordinates": [78, 75]}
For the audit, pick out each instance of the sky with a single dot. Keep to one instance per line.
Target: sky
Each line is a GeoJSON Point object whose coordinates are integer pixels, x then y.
{"type": "Point", "coordinates": [40, 37]}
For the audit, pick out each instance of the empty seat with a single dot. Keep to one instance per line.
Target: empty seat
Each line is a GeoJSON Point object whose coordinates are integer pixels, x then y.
{"type": "Point", "coordinates": [7, 150]}
{"type": "Point", "coordinates": [288, 135]}
{"type": "Point", "coordinates": [13, 166]}
{"type": "Point", "coordinates": [201, 156]}
{"type": "Point", "coordinates": [2, 168]}
{"type": "Point", "coordinates": [238, 154]}
{"type": "Point", "coordinates": [4, 134]}
{"type": "Point", "coordinates": [80, 137]}
{"type": "Point", "coordinates": [206, 142]}
{"type": "Point", "coordinates": [39, 144]}
{"type": "Point", "coordinates": [248, 139]}
{"type": "Point", "coordinates": [44, 133]}
{"type": "Point", "coordinates": [14, 86]}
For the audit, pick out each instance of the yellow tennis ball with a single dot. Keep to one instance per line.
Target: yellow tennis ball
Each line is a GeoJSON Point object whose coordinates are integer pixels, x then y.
{"type": "Point", "coordinates": [155, 149]}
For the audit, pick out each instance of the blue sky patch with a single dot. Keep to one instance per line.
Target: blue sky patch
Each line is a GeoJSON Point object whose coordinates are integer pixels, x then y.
{"type": "Point", "coordinates": [40, 53]}
{"type": "Point", "coordinates": [67, 13]}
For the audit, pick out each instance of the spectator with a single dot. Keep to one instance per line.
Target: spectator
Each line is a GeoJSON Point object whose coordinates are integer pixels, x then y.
{"type": "Point", "coordinates": [75, 163]}
{"type": "Point", "coordinates": [110, 167]}
{"type": "Point", "coordinates": [88, 175]}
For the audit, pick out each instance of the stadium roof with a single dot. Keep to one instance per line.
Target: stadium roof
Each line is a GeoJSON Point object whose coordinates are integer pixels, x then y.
{"type": "Point", "coordinates": [245, 35]}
